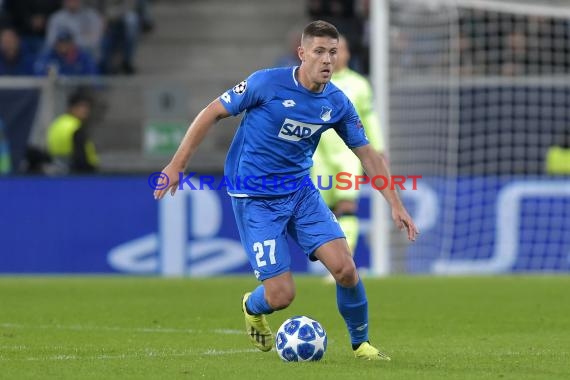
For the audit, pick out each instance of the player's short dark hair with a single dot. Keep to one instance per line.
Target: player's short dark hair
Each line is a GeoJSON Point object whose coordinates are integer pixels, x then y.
{"type": "Point", "coordinates": [320, 28]}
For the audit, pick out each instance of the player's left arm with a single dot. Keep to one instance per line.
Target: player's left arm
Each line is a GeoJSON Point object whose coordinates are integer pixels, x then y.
{"type": "Point", "coordinates": [374, 165]}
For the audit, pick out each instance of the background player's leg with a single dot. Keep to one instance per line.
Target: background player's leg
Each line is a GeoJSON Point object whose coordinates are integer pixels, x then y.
{"type": "Point", "coordinates": [335, 256]}
{"type": "Point", "coordinates": [349, 224]}
{"type": "Point", "coordinates": [334, 158]}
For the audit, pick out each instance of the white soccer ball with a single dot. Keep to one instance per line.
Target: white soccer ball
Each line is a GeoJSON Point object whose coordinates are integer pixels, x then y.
{"type": "Point", "coordinates": [301, 339]}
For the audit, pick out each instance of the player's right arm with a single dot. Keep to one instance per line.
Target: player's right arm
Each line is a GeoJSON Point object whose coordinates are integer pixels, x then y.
{"type": "Point", "coordinates": [194, 135]}
{"type": "Point", "coordinates": [246, 94]}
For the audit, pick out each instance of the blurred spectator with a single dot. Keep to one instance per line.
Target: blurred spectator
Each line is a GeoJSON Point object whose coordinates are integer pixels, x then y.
{"type": "Point", "coordinates": [558, 155]}
{"type": "Point", "coordinates": [67, 58]}
{"type": "Point", "coordinates": [514, 57]}
{"type": "Point", "coordinates": [326, 8]}
{"type": "Point", "coordinates": [146, 21]}
{"type": "Point", "coordinates": [84, 23]}
{"type": "Point", "coordinates": [5, 161]}
{"type": "Point", "coordinates": [363, 12]}
{"type": "Point", "coordinates": [37, 161]}
{"type": "Point", "coordinates": [291, 57]}
{"type": "Point", "coordinates": [14, 59]}
{"type": "Point", "coordinates": [4, 17]}
{"type": "Point", "coordinates": [121, 35]}
{"type": "Point", "coordinates": [30, 18]}
{"type": "Point", "coordinates": [512, 45]}
{"type": "Point", "coordinates": [558, 160]}
{"type": "Point", "coordinates": [466, 60]}
{"type": "Point", "coordinates": [68, 139]}
{"type": "Point", "coordinates": [342, 14]}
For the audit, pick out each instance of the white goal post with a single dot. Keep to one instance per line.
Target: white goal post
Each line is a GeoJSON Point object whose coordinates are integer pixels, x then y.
{"type": "Point", "coordinates": [379, 213]}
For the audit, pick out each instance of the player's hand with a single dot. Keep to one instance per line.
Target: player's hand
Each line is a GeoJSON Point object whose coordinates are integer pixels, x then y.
{"type": "Point", "coordinates": [168, 181]}
{"type": "Point", "coordinates": [403, 220]}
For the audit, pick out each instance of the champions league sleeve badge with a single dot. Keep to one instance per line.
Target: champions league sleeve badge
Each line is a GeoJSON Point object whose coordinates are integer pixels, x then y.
{"type": "Point", "coordinates": [240, 87]}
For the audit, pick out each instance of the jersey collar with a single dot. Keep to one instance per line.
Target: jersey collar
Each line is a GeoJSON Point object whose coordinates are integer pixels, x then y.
{"type": "Point", "coordinates": [295, 68]}
{"type": "Point", "coordinates": [294, 71]}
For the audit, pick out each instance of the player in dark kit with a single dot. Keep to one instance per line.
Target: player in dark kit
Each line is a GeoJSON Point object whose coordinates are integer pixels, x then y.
{"type": "Point", "coordinates": [286, 111]}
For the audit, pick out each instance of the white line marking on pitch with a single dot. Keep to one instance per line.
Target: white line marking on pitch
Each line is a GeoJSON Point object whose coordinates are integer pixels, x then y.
{"type": "Point", "coordinates": [145, 354]}
{"type": "Point", "coordinates": [141, 355]}
{"type": "Point", "coordinates": [126, 329]}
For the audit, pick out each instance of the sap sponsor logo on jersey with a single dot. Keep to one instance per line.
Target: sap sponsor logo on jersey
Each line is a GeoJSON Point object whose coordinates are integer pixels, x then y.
{"type": "Point", "coordinates": [293, 130]}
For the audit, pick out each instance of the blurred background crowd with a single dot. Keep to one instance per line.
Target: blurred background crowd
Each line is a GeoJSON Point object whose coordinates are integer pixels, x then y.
{"type": "Point", "coordinates": [75, 37]}
{"type": "Point", "coordinates": [184, 53]}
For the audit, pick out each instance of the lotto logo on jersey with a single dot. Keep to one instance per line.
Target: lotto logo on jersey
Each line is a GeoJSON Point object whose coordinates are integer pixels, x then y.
{"type": "Point", "coordinates": [295, 130]}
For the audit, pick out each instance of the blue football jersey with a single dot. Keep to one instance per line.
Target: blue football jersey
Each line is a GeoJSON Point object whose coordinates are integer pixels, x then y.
{"type": "Point", "coordinates": [272, 150]}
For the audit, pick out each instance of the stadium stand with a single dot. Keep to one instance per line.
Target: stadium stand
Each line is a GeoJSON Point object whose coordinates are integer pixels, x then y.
{"type": "Point", "coordinates": [203, 58]}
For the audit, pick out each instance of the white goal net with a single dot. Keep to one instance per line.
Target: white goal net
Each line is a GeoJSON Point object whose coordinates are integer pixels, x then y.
{"type": "Point", "coordinates": [477, 94]}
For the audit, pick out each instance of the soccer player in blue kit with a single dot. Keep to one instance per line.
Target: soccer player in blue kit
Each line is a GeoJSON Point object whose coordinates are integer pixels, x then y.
{"type": "Point", "coordinates": [286, 110]}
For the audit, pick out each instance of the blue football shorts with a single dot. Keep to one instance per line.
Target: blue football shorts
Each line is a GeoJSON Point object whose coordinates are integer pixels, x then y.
{"type": "Point", "coordinates": [264, 223]}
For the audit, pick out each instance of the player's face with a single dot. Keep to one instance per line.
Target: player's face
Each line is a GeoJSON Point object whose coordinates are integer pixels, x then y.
{"type": "Point", "coordinates": [319, 56]}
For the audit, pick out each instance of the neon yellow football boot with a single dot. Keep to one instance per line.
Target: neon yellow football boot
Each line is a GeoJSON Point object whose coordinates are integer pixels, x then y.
{"type": "Point", "coordinates": [367, 351]}
{"type": "Point", "coordinates": [257, 328]}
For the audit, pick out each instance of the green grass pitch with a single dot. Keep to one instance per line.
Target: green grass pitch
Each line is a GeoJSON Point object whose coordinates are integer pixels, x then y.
{"type": "Point", "coordinates": [153, 328]}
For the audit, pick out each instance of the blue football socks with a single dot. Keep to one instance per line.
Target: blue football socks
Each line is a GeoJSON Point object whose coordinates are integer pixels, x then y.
{"type": "Point", "coordinates": [256, 303]}
{"type": "Point", "coordinates": [353, 306]}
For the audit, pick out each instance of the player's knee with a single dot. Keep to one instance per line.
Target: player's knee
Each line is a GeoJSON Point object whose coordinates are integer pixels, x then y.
{"type": "Point", "coordinates": [346, 275]}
